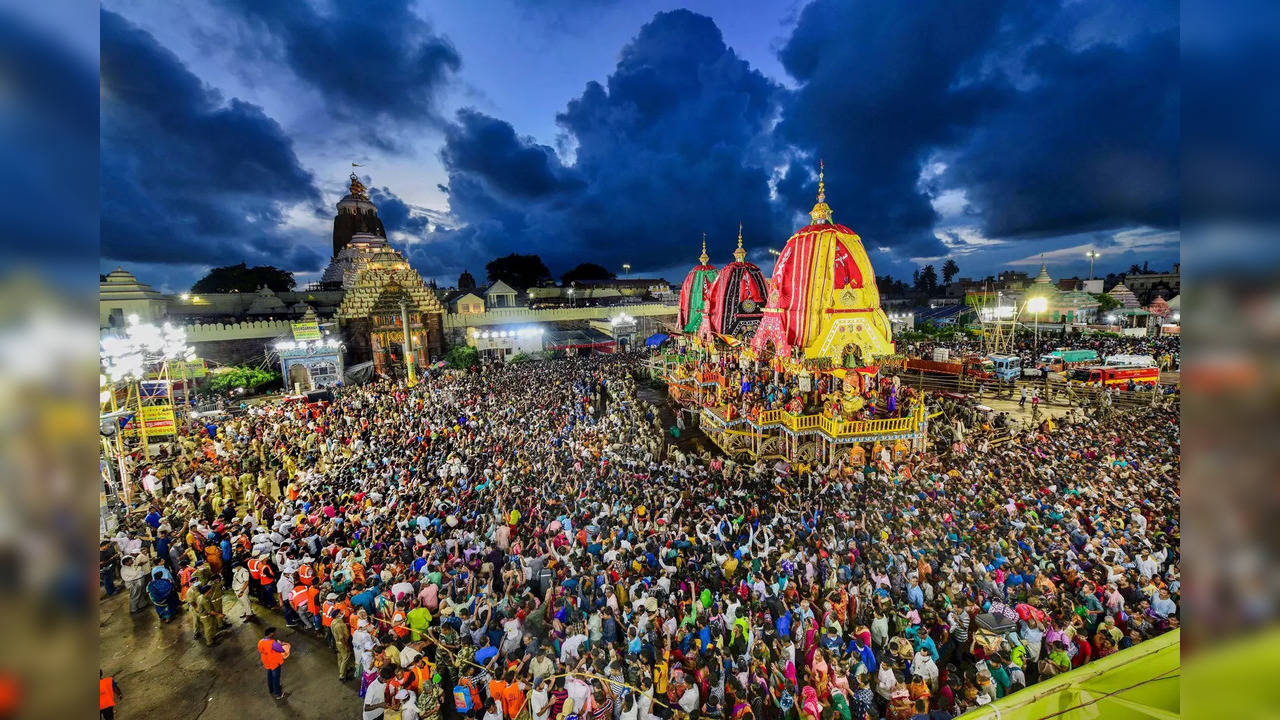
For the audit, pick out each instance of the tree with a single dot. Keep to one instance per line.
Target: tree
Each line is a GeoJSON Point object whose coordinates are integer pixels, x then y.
{"type": "Point", "coordinates": [1105, 302]}
{"type": "Point", "coordinates": [239, 278]}
{"type": "Point", "coordinates": [949, 270]}
{"type": "Point", "coordinates": [518, 271]}
{"type": "Point", "coordinates": [251, 379]}
{"type": "Point", "coordinates": [587, 271]}
{"type": "Point", "coordinates": [927, 280]}
{"type": "Point", "coordinates": [461, 357]}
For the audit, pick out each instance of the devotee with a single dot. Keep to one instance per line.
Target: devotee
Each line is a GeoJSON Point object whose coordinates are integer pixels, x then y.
{"type": "Point", "coordinates": [523, 539]}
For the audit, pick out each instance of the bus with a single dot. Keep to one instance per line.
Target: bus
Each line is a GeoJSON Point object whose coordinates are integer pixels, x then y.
{"type": "Point", "coordinates": [1115, 376]}
{"type": "Point", "coordinates": [1062, 359]}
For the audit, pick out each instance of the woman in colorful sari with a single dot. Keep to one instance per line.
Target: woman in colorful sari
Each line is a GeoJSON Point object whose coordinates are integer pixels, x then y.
{"type": "Point", "coordinates": [810, 709]}
{"type": "Point", "coordinates": [163, 597]}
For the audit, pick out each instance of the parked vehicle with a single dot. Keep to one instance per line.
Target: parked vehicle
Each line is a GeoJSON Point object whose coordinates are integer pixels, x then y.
{"type": "Point", "coordinates": [1132, 361]}
{"type": "Point", "coordinates": [1115, 376]}
{"type": "Point", "coordinates": [1063, 359]}
{"type": "Point", "coordinates": [975, 367]}
{"type": "Point", "coordinates": [1006, 367]}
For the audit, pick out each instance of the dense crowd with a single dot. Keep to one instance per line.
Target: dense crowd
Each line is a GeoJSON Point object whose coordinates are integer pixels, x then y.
{"type": "Point", "coordinates": [524, 541]}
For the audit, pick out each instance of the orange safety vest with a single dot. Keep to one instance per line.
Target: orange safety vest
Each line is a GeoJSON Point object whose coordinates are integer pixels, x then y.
{"type": "Point", "coordinates": [306, 575]}
{"type": "Point", "coordinates": [106, 694]}
{"type": "Point", "coordinates": [255, 569]}
{"type": "Point", "coordinates": [298, 597]}
{"type": "Point", "coordinates": [265, 574]}
{"type": "Point", "coordinates": [397, 624]}
{"type": "Point", "coordinates": [271, 659]}
{"type": "Point", "coordinates": [325, 619]}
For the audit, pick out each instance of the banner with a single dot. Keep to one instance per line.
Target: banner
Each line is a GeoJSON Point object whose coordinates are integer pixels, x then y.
{"type": "Point", "coordinates": [194, 369]}
{"type": "Point", "coordinates": [179, 369]}
{"type": "Point", "coordinates": [306, 330]}
{"type": "Point", "coordinates": [157, 419]}
{"type": "Point", "coordinates": [154, 389]}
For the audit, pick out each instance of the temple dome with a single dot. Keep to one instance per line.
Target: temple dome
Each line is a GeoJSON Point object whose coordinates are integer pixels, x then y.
{"type": "Point", "coordinates": [356, 215]}
{"type": "Point", "coordinates": [693, 291]}
{"type": "Point", "coordinates": [736, 299]}
{"type": "Point", "coordinates": [823, 298]}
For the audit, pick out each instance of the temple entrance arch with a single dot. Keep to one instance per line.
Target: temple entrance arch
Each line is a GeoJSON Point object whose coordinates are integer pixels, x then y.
{"type": "Point", "coordinates": [385, 296]}
{"type": "Point", "coordinates": [299, 377]}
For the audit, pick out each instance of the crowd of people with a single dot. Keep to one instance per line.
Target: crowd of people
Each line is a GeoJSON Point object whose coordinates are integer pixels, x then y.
{"type": "Point", "coordinates": [526, 541]}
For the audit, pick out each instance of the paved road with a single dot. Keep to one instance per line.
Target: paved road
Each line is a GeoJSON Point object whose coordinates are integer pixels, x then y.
{"type": "Point", "coordinates": [165, 673]}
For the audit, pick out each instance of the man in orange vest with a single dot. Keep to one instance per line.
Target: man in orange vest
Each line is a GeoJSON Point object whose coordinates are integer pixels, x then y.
{"type": "Point", "coordinates": [108, 691]}
{"type": "Point", "coordinates": [273, 654]}
{"type": "Point", "coordinates": [255, 573]}
{"type": "Point", "coordinates": [267, 579]}
{"type": "Point", "coordinates": [326, 616]}
{"type": "Point", "coordinates": [306, 575]}
{"type": "Point", "coordinates": [305, 601]}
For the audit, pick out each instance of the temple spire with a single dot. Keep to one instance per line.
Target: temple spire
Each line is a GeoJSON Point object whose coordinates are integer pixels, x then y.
{"type": "Point", "coordinates": [740, 254]}
{"type": "Point", "coordinates": [821, 212]}
{"type": "Point", "coordinates": [703, 258]}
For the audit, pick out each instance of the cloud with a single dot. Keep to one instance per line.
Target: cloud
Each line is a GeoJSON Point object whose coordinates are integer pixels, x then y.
{"type": "Point", "coordinates": [675, 142]}
{"type": "Point", "coordinates": [186, 177]}
{"type": "Point", "coordinates": [397, 215]}
{"type": "Point", "coordinates": [1019, 119]}
{"type": "Point", "coordinates": [882, 85]}
{"type": "Point", "coordinates": [488, 147]}
{"type": "Point", "coordinates": [1093, 143]}
{"type": "Point", "coordinates": [372, 60]}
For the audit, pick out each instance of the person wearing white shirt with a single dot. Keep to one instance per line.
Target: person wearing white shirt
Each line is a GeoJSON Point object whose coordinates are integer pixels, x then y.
{"type": "Point", "coordinates": [571, 648]}
{"type": "Point", "coordinates": [540, 701]}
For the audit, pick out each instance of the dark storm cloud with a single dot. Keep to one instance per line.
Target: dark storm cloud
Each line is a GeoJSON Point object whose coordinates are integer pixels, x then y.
{"type": "Point", "coordinates": [674, 143]}
{"type": "Point", "coordinates": [187, 178]}
{"type": "Point", "coordinates": [1093, 143]}
{"type": "Point", "coordinates": [489, 147]}
{"type": "Point", "coordinates": [368, 58]}
{"type": "Point", "coordinates": [882, 86]}
{"type": "Point", "coordinates": [1047, 124]}
{"type": "Point", "coordinates": [396, 213]}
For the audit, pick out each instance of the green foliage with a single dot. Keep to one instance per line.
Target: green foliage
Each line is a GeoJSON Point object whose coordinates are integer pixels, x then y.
{"type": "Point", "coordinates": [1105, 302]}
{"type": "Point", "coordinates": [949, 270]}
{"type": "Point", "coordinates": [461, 357]}
{"type": "Point", "coordinates": [518, 271]}
{"type": "Point", "coordinates": [521, 358]}
{"type": "Point", "coordinates": [250, 378]}
{"type": "Point", "coordinates": [239, 278]}
{"type": "Point", "coordinates": [587, 271]}
{"type": "Point", "coordinates": [927, 279]}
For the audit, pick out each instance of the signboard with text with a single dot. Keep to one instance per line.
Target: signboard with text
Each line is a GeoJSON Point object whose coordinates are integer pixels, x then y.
{"type": "Point", "coordinates": [157, 419]}
{"type": "Point", "coordinates": [306, 330]}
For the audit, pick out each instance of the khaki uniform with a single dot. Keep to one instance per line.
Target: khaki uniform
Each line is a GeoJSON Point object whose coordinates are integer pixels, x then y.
{"type": "Point", "coordinates": [342, 639]}
{"type": "Point", "coordinates": [206, 622]}
{"type": "Point", "coordinates": [429, 699]}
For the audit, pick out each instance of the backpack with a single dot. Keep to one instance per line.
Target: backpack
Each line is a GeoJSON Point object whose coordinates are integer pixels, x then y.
{"type": "Point", "coordinates": [465, 696]}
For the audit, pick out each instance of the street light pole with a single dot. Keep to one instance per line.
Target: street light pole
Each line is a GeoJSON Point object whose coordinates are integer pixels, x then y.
{"type": "Point", "coordinates": [1092, 255]}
